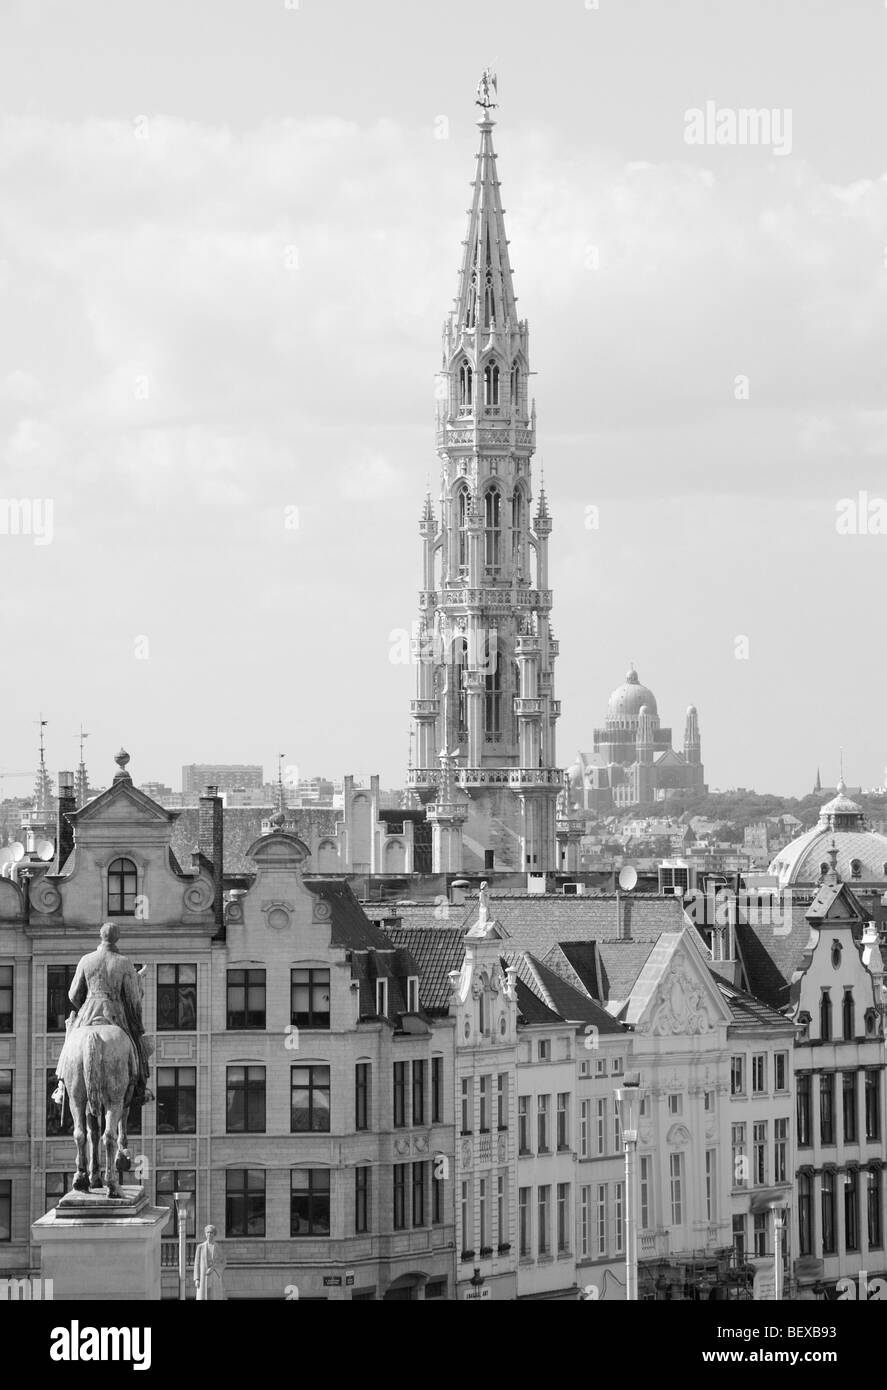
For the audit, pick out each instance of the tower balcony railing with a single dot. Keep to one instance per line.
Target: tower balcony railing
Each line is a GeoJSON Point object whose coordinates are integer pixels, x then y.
{"type": "Point", "coordinates": [489, 776]}
{"type": "Point", "coordinates": [464, 429]}
{"type": "Point", "coordinates": [491, 598]}
{"type": "Point", "coordinates": [424, 708]}
{"type": "Point", "coordinates": [554, 708]}
{"type": "Point", "coordinates": [528, 707]}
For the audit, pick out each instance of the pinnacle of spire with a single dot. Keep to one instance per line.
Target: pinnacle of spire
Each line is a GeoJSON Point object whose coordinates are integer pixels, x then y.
{"type": "Point", "coordinates": [428, 509]}
{"type": "Point", "coordinates": [486, 298]}
{"type": "Point", "coordinates": [43, 795]}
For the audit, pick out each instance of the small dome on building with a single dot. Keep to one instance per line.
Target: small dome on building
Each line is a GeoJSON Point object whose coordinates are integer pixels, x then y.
{"type": "Point", "coordinates": [627, 699]}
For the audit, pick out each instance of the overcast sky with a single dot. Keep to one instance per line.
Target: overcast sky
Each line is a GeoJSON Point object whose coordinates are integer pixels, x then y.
{"type": "Point", "coordinates": [229, 233]}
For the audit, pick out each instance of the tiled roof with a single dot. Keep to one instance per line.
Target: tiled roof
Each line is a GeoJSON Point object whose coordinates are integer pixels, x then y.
{"type": "Point", "coordinates": [746, 1009]}
{"type": "Point", "coordinates": [530, 1006]}
{"type": "Point", "coordinates": [571, 1004]}
{"type": "Point", "coordinates": [351, 928]}
{"type": "Point", "coordinates": [241, 827]}
{"type": "Point", "coordinates": [436, 953]}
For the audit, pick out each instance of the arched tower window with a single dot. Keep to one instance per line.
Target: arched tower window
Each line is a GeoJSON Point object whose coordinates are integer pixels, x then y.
{"type": "Point", "coordinates": [492, 694]}
{"type": "Point", "coordinates": [491, 383]}
{"type": "Point", "coordinates": [492, 529]}
{"type": "Point", "coordinates": [516, 384]}
{"type": "Point", "coordinates": [517, 527]}
{"type": "Point", "coordinates": [466, 383]}
{"type": "Point", "coordinates": [825, 1016]}
{"type": "Point", "coordinates": [457, 732]}
{"type": "Point", "coordinates": [848, 1016]}
{"type": "Point", "coordinates": [122, 888]}
{"type": "Point", "coordinates": [462, 507]}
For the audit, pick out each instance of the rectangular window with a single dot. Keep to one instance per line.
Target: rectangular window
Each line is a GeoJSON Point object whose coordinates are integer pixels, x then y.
{"type": "Point", "coordinates": [802, 1084]}
{"type": "Point", "coordinates": [600, 1066]}
{"type": "Point", "coordinates": [711, 1199]}
{"type": "Point", "coordinates": [740, 1161]}
{"type": "Point", "coordinates": [601, 1220]}
{"type": "Point", "coordinates": [542, 1107]}
{"type": "Point", "coordinates": [676, 1184]}
{"type": "Point", "coordinates": [543, 1217]}
{"type": "Point", "coordinates": [851, 1209]}
{"type": "Point", "coordinates": [310, 1001]}
{"type": "Point", "coordinates": [619, 1218]}
{"type": "Point", "coordinates": [675, 1103]}
{"type": "Point", "coordinates": [467, 1236]}
{"type": "Point", "coordinates": [5, 1104]}
{"type": "Point", "coordinates": [169, 1182]}
{"type": "Point", "coordinates": [418, 1117]}
{"type": "Point", "coordinates": [309, 1202]}
{"type": "Point", "coordinates": [55, 1188]}
{"type": "Point", "coordinates": [437, 1090]}
{"type": "Point", "coordinates": [602, 1126]}
{"type": "Point", "coordinates": [872, 1105]}
{"type": "Point", "coordinates": [309, 1100]}
{"type": "Point", "coordinates": [5, 1209]}
{"type": "Point", "coordinates": [780, 1151]}
{"type": "Point", "coordinates": [400, 1094]}
{"type": "Point", "coordinates": [483, 1216]}
{"type": "Point", "coordinates": [761, 1220]}
{"type": "Point", "coordinates": [523, 1124]}
{"type": "Point", "coordinates": [176, 998]}
{"type": "Point", "coordinates": [437, 1193]}
{"type": "Point", "coordinates": [245, 1202]}
{"type": "Point", "coordinates": [382, 998]}
{"type": "Point", "coordinates": [780, 1071]}
{"type": "Point", "coordinates": [400, 1196]}
{"type": "Point", "coordinates": [412, 994]}
{"type": "Point", "coordinates": [362, 1076]}
{"type": "Point", "coordinates": [58, 1120]}
{"type": "Point", "coordinates": [361, 1200]}
{"type": "Point", "coordinates": [805, 1214]}
{"type": "Point", "coordinates": [759, 1073]}
{"type": "Point", "coordinates": [848, 1106]}
{"type": "Point", "coordinates": [245, 1004]}
{"type": "Point", "coordinates": [501, 1211]}
{"type": "Point", "coordinates": [873, 1208]}
{"type": "Point", "coordinates": [6, 998]}
{"type": "Point", "coordinates": [177, 1100]}
{"type": "Point", "coordinates": [618, 1066]}
{"type": "Point", "coordinates": [584, 1124]}
{"type": "Point", "coordinates": [708, 1101]}
{"type": "Point", "coordinates": [485, 1085]}
{"type": "Point", "coordinates": [829, 1245]}
{"type": "Point", "coordinates": [585, 1222]}
{"type": "Point", "coordinates": [544, 1051]}
{"type": "Point", "coordinates": [466, 1104]}
{"type": "Point", "coordinates": [563, 1217]}
{"type": "Point", "coordinates": [644, 1169]}
{"type": "Point", "coordinates": [58, 1005]}
{"type": "Point", "coordinates": [617, 1129]}
{"type": "Point", "coordinates": [563, 1121]}
{"type": "Point", "coordinates": [739, 1238]}
{"type": "Point", "coordinates": [759, 1140]}
{"type": "Point", "coordinates": [419, 1194]}
{"type": "Point", "coordinates": [848, 1017]}
{"type": "Point", "coordinates": [525, 1235]}
{"type": "Point", "coordinates": [737, 1076]}
{"type": "Point", "coordinates": [245, 1112]}
{"type": "Point", "coordinates": [827, 1107]}
{"type": "Point", "coordinates": [502, 1100]}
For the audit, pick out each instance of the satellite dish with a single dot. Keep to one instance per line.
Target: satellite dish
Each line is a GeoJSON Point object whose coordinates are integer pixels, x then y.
{"type": "Point", "coordinates": [628, 877]}
{"type": "Point", "coordinates": [18, 851]}
{"type": "Point", "coordinates": [45, 850]}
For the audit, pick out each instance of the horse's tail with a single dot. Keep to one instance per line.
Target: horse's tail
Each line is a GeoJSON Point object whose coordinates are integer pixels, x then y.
{"type": "Point", "coordinates": [92, 1071]}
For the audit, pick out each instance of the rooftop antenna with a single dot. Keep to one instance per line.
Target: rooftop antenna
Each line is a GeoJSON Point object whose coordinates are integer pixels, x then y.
{"type": "Point", "coordinates": [83, 736]}
{"type": "Point", "coordinates": [281, 805]}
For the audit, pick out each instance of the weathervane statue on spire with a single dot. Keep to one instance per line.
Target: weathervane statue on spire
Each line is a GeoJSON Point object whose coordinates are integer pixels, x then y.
{"type": "Point", "coordinates": [487, 88]}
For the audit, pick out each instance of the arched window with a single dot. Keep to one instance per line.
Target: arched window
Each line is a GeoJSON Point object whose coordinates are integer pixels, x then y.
{"type": "Point", "coordinates": [823, 870]}
{"type": "Point", "coordinates": [491, 383]}
{"type": "Point", "coordinates": [471, 306]}
{"type": "Point", "coordinates": [122, 888]}
{"type": "Point", "coordinates": [517, 527]}
{"type": "Point", "coordinates": [515, 386]}
{"type": "Point", "coordinates": [836, 955]}
{"type": "Point", "coordinates": [848, 1016]}
{"type": "Point", "coordinates": [458, 702]}
{"type": "Point", "coordinates": [825, 1016]}
{"type": "Point", "coordinates": [466, 383]}
{"type": "Point", "coordinates": [492, 529]}
{"type": "Point", "coordinates": [856, 868]}
{"type": "Point", "coordinates": [489, 306]}
{"type": "Point", "coordinates": [492, 695]}
{"type": "Point", "coordinates": [463, 503]}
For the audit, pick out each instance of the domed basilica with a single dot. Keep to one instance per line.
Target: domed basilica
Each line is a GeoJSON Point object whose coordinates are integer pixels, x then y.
{"type": "Point", "coordinates": [633, 762]}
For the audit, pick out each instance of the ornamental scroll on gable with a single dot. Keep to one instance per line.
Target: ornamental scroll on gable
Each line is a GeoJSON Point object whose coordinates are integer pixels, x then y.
{"type": "Point", "coordinates": [679, 1005]}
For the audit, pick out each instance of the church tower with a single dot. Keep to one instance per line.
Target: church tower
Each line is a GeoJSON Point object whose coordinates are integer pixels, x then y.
{"type": "Point", "coordinates": [484, 645]}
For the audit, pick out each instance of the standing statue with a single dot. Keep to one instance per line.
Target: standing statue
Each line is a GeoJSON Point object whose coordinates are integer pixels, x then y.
{"type": "Point", "coordinates": [209, 1266]}
{"type": "Point", "coordinates": [487, 87]}
{"type": "Point", "coordinates": [103, 1067]}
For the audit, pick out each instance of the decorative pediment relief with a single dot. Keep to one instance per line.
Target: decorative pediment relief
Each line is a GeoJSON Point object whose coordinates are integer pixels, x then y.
{"type": "Point", "coordinates": [679, 1006]}
{"type": "Point", "coordinates": [678, 1134]}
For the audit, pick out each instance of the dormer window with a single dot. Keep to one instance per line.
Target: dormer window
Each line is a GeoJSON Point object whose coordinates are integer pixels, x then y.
{"type": "Point", "coordinates": [382, 998]}
{"type": "Point", "coordinates": [122, 888]}
{"type": "Point", "coordinates": [412, 994]}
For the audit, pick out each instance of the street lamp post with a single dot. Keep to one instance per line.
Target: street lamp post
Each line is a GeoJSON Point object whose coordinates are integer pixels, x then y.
{"type": "Point", "coordinates": [628, 1100]}
{"type": "Point", "coordinates": [183, 1202]}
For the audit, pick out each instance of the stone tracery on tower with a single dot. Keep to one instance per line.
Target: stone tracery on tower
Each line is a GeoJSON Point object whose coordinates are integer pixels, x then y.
{"type": "Point", "coordinates": [484, 645]}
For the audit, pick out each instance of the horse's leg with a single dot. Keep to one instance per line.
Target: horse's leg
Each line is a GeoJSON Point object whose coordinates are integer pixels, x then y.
{"type": "Point", "coordinates": [78, 1114]}
{"type": "Point", "coordinates": [112, 1120]}
{"type": "Point", "coordinates": [95, 1177]}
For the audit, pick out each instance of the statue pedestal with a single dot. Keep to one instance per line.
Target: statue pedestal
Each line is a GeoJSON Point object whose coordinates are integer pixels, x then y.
{"type": "Point", "coordinates": [96, 1247]}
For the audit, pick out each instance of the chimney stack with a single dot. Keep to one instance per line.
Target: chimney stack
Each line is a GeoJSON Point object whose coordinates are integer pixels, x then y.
{"type": "Point", "coordinates": [210, 844]}
{"type": "Point", "coordinates": [67, 801]}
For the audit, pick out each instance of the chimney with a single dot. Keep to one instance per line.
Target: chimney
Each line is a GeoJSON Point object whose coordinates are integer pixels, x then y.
{"type": "Point", "coordinates": [67, 801]}
{"type": "Point", "coordinates": [210, 843]}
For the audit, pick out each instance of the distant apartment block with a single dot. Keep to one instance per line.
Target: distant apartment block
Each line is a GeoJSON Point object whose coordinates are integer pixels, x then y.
{"type": "Point", "coordinates": [228, 777]}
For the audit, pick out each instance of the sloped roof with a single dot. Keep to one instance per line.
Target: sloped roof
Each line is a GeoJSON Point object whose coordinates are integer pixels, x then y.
{"type": "Point", "coordinates": [747, 1010]}
{"type": "Point", "coordinates": [351, 928]}
{"type": "Point", "coordinates": [436, 953]}
{"type": "Point", "coordinates": [531, 1008]}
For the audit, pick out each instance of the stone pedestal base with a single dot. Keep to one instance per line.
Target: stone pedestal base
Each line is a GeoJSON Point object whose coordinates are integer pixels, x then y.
{"type": "Point", "coordinates": [96, 1247]}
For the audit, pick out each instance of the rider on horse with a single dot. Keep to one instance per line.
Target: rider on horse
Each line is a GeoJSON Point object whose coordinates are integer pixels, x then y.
{"type": "Point", "coordinates": [106, 989]}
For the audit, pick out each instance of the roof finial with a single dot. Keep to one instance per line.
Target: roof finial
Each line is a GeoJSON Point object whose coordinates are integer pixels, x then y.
{"type": "Point", "coordinates": [487, 88]}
